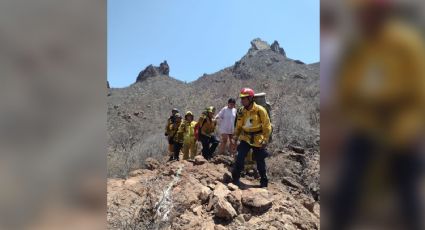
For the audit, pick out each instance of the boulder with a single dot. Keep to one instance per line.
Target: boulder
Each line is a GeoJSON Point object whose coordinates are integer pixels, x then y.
{"type": "Point", "coordinates": [151, 163]}
{"type": "Point", "coordinates": [204, 194]}
{"type": "Point", "coordinates": [296, 148]}
{"type": "Point", "coordinates": [256, 199]}
{"type": "Point", "coordinates": [234, 198]}
{"type": "Point", "coordinates": [219, 227]}
{"type": "Point", "coordinates": [291, 183]}
{"type": "Point", "coordinates": [164, 69]}
{"type": "Point", "coordinates": [258, 44]}
{"type": "Point", "coordinates": [276, 48]}
{"type": "Point", "coordinates": [227, 177]}
{"type": "Point", "coordinates": [224, 210]}
{"type": "Point", "coordinates": [232, 187]}
{"type": "Point", "coordinates": [220, 190]}
{"type": "Point", "coordinates": [199, 160]}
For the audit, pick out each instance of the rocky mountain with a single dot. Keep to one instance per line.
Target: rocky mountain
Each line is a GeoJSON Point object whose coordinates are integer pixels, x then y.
{"type": "Point", "coordinates": [137, 113]}
{"type": "Point", "coordinates": [146, 192]}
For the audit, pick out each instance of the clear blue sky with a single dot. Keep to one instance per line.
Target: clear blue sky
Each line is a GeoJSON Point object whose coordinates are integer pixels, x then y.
{"type": "Point", "coordinates": [200, 36]}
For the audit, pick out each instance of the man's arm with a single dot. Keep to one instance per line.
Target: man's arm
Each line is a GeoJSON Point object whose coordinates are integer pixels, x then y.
{"type": "Point", "coordinates": [266, 125]}
{"type": "Point", "coordinates": [238, 127]}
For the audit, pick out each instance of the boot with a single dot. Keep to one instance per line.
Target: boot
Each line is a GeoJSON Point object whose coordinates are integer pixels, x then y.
{"type": "Point", "coordinates": [264, 182]}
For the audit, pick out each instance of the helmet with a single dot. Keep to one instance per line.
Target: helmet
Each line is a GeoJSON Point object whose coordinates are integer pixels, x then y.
{"type": "Point", "coordinates": [247, 92]}
{"type": "Point", "coordinates": [175, 110]}
{"type": "Point", "coordinates": [188, 113]}
{"type": "Point", "coordinates": [210, 109]}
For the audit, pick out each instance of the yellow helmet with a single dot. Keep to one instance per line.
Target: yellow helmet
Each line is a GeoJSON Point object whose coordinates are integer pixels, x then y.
{"type": "Point", "coordinates": [188, 113]}
{"type": "Point", "coordinates": [210, 109]}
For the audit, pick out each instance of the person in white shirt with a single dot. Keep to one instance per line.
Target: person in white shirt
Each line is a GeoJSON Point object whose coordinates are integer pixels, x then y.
{"type": "Point", "coordinates": [226, 118]}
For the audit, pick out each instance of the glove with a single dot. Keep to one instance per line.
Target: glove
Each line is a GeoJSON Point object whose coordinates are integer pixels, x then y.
{"type": "Point", "coordinates": [264, 144]}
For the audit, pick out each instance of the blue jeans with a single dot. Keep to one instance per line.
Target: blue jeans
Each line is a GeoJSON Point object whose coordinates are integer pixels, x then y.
{"type": "Point", "coordinates": [259, 155]}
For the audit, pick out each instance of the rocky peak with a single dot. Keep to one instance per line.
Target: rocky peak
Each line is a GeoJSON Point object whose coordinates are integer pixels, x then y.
{"type": "Point", "coordinates": [164, 69]}
{"type": "Point", "coordinates": [276, 48]}
{"type": "Point", "coordinates": [152, 71]}
{"type": "Point", "coordinates": [257, 44]}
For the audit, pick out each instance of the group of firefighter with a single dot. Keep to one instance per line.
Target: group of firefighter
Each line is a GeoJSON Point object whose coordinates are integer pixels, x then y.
{"type": "Point", "coordinates": [245, 128]}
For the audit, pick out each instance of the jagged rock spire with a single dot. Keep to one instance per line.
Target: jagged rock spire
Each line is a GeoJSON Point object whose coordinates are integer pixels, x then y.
{"type": "Point", "coordinates": [152, 71]}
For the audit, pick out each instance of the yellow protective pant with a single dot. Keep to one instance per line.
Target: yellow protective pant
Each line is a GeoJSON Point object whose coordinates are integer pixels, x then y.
{"type": "Point", "coordinates": [189, 149]}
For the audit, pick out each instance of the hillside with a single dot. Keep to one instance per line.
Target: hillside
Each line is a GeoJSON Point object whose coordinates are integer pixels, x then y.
{"type": "Point", "coordinates": [136, 114]}
{"type": "Point", "coordinates": [146, 192]}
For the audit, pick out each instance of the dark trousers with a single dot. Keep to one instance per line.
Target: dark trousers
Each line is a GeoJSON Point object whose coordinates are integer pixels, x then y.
{"type": "Point", "coordinates": [359, 154]}
{"type": "Point", "coordinates": [259, 155]}
{"type": "Point", "coordinates": [209, 144]}
{"type": "Point", "coordinates": [177, 148]}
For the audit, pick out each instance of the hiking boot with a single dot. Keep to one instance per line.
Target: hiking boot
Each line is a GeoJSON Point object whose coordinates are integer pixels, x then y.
{"type": "Point", "coordinates": [237, 183]}
{"type": "Point", "coordinates": [264, 183]}
{"type": "Point", "coordinates": [171, 159]}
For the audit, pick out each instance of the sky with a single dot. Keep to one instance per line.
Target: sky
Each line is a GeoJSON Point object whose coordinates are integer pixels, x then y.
{"type": "Point", "coordinates": [204, 36]}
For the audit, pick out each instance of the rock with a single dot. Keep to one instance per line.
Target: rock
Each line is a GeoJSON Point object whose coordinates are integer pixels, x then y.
{"type": "Point", "coordinates": [149, 71]}
{"type": "Point", "coordinates": [308, 204]}
{"type": "Point", "coordinates": [164, 69]}
{"type": "Point", "coordinates": [315, 190]}
{"type": "Point", "coordinates": [224, 210]}
{"type": "Point", "coordinates": [220, 191]}
{"type": "Point", "coordinates": [204, 194]}
{"type": "Point", "coordinates": [137, 172]}
{"type": "Point", "coordinates": [153, 71]}
{"type": "Point", "coordinates": [199, 160]}
{"type": "Point", "coordinates": [223, 159]}
{"type": "Point", "coordinates": [247, 217]}
{"type": "Point", "coordinates": [234, 199]}
{"type": "Point", "coordinates": [291, 183]}
{"type": "Point", "coordinates": [151, 163]}
{"type": "Point", "coordinates": [219, 227]}
{"type": "Point", "coordinates": [299, 62]}
{"type": "Point", "coordinates": [296, 148]}
{"type": "Point", "coordinates": [258, 44]}
{"type": "Point", "coordinates": [257, 199]}
{"type": "Point", "coordinates": [207, 225]}
{"type": "Point", "coordinates": [211, 186]}
{"type": "Point", "coordinates": [197, 210]}
{"type": "Point", "coordinates": [299, 76]}
{"type": "Point", "coordinates": [240, 219]}
{"type": "Point", "coordinates": [232, 187]}
{"type": "Point", "coordinates": [227, 177]}
{"type": "Point", "coordinates": [276, 48]}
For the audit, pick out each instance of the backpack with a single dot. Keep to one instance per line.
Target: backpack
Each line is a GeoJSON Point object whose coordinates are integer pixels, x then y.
{"type": "Point", "coordinates": [198, 128]}
{"type": "Point", "coordinates": [259, 99]}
